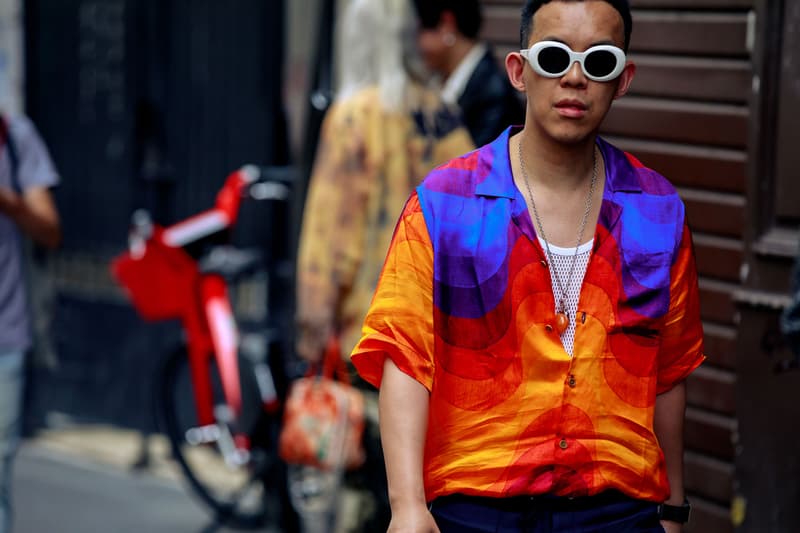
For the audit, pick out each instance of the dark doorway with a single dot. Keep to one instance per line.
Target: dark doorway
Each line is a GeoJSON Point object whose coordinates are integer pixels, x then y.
{"type": "Point", "coordinates": [142, 103]}
{"type": "Point", "coordinates": [151, 103]}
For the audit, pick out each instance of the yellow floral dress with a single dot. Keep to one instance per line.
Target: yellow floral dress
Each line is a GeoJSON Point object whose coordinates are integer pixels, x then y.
{"type": "Point", "coordinates": [368, 162]}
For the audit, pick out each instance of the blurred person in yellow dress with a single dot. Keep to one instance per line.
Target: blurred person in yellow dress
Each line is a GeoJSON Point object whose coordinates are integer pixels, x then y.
{"type": "Point", "coordinates": [383, 133]}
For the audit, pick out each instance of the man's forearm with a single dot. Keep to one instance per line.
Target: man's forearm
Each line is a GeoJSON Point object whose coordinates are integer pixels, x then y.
{"type": "Point", "coordinates": [35, 214]}
{"type": "Point", "coordinates": [403, 404]}
{"type": "Point", "coordinates": [668, 425]}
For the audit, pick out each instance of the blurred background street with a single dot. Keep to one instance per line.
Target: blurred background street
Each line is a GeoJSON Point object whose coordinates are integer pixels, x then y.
{"type": "Point", "coordinates": [151, 104]}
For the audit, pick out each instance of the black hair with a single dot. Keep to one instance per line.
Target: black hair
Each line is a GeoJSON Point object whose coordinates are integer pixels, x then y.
{"type": "Point", "coordinates": [532, 6]}
{"type": "Point", "coordinates": [467, 14]}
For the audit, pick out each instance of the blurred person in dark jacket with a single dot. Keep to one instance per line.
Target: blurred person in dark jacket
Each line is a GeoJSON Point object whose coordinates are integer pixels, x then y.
{"type": "Point", "coordinates": [471, 76]}
{"type": "Point", "coordinates": [27, 209]}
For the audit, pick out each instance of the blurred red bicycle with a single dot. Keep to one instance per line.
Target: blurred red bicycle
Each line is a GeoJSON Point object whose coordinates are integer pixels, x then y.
{"type": "Point", "coordinates": [218, 403]}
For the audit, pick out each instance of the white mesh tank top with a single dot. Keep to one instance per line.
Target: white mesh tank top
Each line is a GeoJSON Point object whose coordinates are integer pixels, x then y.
{"type": "Point", "coordinates": [562, 259]}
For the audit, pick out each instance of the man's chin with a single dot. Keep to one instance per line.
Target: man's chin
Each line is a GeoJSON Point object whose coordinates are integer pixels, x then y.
{"type": "Point", "coordinates": [573, 137]}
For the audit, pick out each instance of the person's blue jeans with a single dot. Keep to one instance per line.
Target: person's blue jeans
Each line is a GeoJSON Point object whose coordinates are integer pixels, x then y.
{"type": "Point", "coordinates": [606, 512]}
{"type": "Point", "coordinates": [12, 377]}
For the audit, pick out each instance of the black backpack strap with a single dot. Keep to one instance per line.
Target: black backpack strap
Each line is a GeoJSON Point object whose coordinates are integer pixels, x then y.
{"type": "Point", "coordinates": [13, 159]}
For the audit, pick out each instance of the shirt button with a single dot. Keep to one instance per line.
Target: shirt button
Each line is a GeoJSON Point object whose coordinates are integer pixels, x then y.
{"type": "Point", "coordinates": [563, 444]}
{"type": "Point", "coordinates": [572, 381]}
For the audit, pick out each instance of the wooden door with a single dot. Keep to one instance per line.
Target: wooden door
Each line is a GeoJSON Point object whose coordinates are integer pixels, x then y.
{"type": "Point", "coordinates": [768, 406]}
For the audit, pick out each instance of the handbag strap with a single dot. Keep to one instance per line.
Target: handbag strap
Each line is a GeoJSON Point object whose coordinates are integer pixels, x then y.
{"type": "Point", "coordinates": [332, 364]}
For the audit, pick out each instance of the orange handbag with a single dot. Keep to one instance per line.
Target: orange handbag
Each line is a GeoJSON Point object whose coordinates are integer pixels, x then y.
{"type": "Point", "coordinates": [323, 421]}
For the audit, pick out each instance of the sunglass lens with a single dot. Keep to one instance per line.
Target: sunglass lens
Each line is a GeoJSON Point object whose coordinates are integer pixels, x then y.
{"type": "Point", "coordinates": [553, 59]}
{"type": "Point", "coordinates": [600, 63]}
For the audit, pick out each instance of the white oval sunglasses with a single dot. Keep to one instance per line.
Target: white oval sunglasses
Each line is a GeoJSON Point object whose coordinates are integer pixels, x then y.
{"type": "Point", "coordinates": [553, 59]}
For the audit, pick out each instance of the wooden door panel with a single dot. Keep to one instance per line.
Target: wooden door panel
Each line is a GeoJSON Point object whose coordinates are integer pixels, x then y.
{"type": "Point", "coordinates": [712, 389]}
{"type": "Point", "coordinates": [715, 213]}
{"type": "Point", "coordinates": [690, 33]}
{"type": "Point", "coordinates": [709, 433]}
{"type": "Point", "coordinates": [678, 121]}
{"type": "Point", "coordinates": [720, 345]}
{"type": "Point", "coordinates": [716, 301]}
{"type": "Point", "coordinates": [708, 476]}
{"type": "Point", "coordinates": [715, 80]}
{"type": "Point", "coordinates": [689, 166]}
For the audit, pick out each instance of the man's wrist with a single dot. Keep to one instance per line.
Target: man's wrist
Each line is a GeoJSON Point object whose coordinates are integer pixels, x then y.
{"type": "Point", "coordinates": [675, 513]}
{"type": "Point", "coordinates": [407, 498]}
{"type": "Point", "coordinates": [9, 202]}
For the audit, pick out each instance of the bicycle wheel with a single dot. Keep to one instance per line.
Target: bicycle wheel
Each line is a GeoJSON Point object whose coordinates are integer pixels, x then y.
{"type": "Point", "coordinates": [245, 496]}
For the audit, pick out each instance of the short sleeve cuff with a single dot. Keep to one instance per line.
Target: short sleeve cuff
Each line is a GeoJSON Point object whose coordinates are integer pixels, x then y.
{"type": "Point", "coordinates": [677, 373]}
{"type": "Point", "coordinates": [370, 355]}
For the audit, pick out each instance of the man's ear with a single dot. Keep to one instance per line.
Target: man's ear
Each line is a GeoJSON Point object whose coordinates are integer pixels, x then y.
{"type": "Point", "coordinates": [447, 23]}
{"type": "Point", "coordinates": [625, 79]}
{"type": "Point", "coordinates": [515, 67]}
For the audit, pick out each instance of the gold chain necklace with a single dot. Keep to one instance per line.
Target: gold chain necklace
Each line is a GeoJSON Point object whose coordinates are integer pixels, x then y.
{"type": "Point", "coordinates": [562, 320]}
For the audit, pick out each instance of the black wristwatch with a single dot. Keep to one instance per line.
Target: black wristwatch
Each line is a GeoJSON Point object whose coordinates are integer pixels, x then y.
{"type": "Point", "coordinates": [675, 513]}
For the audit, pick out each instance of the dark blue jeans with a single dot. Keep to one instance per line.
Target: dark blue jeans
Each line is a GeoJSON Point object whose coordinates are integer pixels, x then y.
{"type": "Point", "coordinates": [12, 365]}
{"type": "Point", "coordinates": [609, 511]}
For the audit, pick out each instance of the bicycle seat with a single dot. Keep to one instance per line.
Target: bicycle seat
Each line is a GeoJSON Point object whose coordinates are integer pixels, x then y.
{"type": "Point", "coordinates": [230, 262]}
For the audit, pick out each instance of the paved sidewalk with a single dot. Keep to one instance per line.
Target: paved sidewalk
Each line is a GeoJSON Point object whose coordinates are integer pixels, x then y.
{"type": "Point", "coordinates": [120, 449]}
{"type": "Point", "coordinates": [109, 445]}
{"type": "Point", "coordinates": [60, 492]}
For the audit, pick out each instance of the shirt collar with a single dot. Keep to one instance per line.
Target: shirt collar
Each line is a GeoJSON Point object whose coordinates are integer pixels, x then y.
{"type": "Point", "coordinates": [495, 165]}
{"type": "Point", "coordinates": [621, 175]}
{"type": "Point", "coordinates": [457, 82]}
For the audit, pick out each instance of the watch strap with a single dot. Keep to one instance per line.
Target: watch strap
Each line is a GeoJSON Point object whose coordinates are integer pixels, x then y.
{"type": "Point", "coordinates": [675, 513]}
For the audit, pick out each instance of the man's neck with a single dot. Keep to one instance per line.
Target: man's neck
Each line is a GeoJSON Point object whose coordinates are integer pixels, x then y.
{"type": "Point", "coordinates": [554, 164]}
{"type": "Point", "coordinates": [461, 48]}
{"type": "Point", "coordinates": [560, 177]}
{"type": "Point", "coordinates": [455, 85]}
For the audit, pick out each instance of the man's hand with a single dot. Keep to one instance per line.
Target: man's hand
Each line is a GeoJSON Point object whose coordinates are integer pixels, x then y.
{"type": "Point", "coordinates": [671, 527]}
{"type": "Point", "coordinates": [313, 336]}
{"type": "Point", "coordinates": [414, 519]}
{"type": "Point", "coordinates": [34, 212]}
{"type": "Point", "coordinates": [10, 202]}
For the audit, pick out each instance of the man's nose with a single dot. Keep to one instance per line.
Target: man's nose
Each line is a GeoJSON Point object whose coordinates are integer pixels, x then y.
{"type": "Point", "coordinates": [575, 75]}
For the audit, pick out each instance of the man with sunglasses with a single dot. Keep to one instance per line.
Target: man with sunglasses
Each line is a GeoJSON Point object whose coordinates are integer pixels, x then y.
{"type": "Point", "coordinates": [538, 313]}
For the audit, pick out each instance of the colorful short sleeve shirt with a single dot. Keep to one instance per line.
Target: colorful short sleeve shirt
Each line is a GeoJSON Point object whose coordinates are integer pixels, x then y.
{"type": "Point", "coordinates": [465, 306]}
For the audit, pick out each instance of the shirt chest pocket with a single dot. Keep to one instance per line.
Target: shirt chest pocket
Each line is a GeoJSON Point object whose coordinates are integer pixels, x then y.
{"type": "Point", "coordinates": [644, 294]}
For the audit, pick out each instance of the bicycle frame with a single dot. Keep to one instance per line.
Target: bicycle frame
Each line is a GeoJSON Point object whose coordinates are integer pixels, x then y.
{"type": "Point", "coordinates": [165, 282]}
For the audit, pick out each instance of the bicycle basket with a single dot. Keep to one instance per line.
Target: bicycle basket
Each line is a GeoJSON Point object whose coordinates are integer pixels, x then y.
{"type": "Point", "coordinates": [159, 282]}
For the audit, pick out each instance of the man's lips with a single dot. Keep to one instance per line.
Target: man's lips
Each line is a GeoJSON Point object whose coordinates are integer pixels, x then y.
{"type": "Point", "coordinates": [571, 108]}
